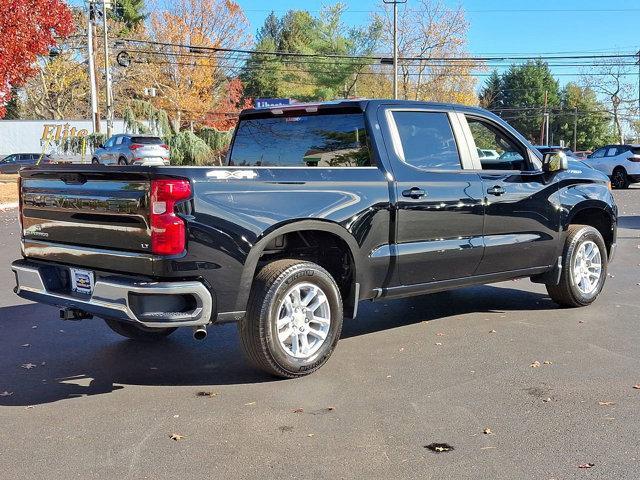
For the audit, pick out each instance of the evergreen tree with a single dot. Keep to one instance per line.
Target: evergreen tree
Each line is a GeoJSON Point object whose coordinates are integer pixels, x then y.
{"type": "Point", "coordinates": [491, 94]}
{"type": "Point", "coordinates": [523, 96]}
{"type": "Point", "coordinates": [130, 13]}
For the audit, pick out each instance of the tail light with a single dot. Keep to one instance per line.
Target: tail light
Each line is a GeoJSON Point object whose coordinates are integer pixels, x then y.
{"type": "Point", "coordinates": [634, 158]}
{"type": "Point", "coordinates": [168, 231]}
{"type": "Point", "coordinates": [165, 146]}
{"type": "Point", "coordinates": [135, 146]}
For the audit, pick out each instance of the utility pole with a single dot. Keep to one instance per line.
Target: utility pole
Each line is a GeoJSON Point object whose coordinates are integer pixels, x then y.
{"type": "Point", "coordinates": [544, 134]}
{"type": "Point", "coordinates": [395, 44]}
{"type": "Point", "coordinates": [575, 128]}
{"type": "Point", "coordinates": [639, 83]}
{"type": "Point", "coordinates": [107, 73]}
{"type": "Point", "coordinates": [95, 116]}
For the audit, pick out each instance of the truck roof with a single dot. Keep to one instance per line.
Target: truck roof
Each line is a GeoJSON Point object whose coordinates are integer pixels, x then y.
{"type": "Point", "coordinates": [353, 104]}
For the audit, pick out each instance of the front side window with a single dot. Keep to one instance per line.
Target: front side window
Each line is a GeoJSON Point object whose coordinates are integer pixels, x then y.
{"type": "Point", "coordinates": [110, 142]}
{"type": "Point", "coordinates": [487, 136]}
{"type": "Point", "coordinates": [427, 140]}
{"type": "Point", "coordinates": [324, 140]}
{"type": "Point", "coordinates": [598, 153]}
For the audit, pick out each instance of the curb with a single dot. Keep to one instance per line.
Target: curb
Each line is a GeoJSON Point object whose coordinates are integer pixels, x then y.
{"type": "Point", "coordinates": [8, 206]}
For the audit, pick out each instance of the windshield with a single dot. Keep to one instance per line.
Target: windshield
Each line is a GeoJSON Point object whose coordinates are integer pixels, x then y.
{"type": "Point", "coordinates": [332, 140]}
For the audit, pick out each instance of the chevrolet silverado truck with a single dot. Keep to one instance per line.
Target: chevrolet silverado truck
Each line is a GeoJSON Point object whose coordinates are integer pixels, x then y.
{"type": "Point", "coordinates": [317, 207]}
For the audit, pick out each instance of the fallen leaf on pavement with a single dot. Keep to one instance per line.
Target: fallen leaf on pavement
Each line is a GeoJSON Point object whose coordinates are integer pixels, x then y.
{"type": "Point", "coordinates": [440, 334]}
{"type": "Point", "coordinates": [637, 387]}
{"type": "Point", "coordinates": [606, 403]}
{"type": "Point", "coordinates": [6, 394]}
{"type": "Point", "coordinates": [28, 366]}
{"type": "Point", "coordinates": [586, 465]}
{"type": "Point", "coordinates": [487, 431]}
{"type": "Point", "coordinates": [311, 435]}
{"type": "Point", "coordinates": [26, 345]}
{"type": "Point", "coordinates": [298, 410]}
{"type": "Point", "coordinates": [492, 331]}
{"type": "Point", "coordinates": [285, 428]}
{"type": "Point", "coordinates": [546, 400]}
{"type": "Point", "coordinates": [438, 343]}
{"type": "Point", "coordinates": [207, 394]}
{"type": "Point", "coordinates": [176, 437]}
{"type": "Point", "coordinates": [548, 362]}
{"type": "Point", "coordinates": [249, 403]}
{"type": "Point", "coordinates": [535, 364]}
{"type": "Point", "coordinates": [439, 447]}
{"type": "Point", "coordinates": [28, 407]}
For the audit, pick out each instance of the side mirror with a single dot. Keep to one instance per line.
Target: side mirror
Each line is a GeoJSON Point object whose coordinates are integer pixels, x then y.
{"type": "Point", "coordinates": [555, 161]}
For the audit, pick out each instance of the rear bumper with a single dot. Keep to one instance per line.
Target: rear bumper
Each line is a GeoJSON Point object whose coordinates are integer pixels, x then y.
{"type": "Point", "coordinates": [141, 302]}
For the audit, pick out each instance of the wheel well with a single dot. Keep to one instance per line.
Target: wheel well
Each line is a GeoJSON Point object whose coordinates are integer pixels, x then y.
{"type": "Point", "coordinates": [323, 248]}
{"type": "Point", "coordinates": [619, 167]}
{"type": "Point", "coordinates": [598, 219]}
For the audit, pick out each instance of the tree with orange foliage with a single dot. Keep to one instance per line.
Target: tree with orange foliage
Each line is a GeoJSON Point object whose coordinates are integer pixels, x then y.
{"type": "Point", "coordinates": [27, 29]}
{"type": "Point", "coordinates": [191, 81]}
{"type": "Point", "coordinates": [223, 117]}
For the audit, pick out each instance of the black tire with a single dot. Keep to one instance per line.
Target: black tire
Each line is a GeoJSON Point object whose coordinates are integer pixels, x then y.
{"type": "Point", "coordinates": [122, 161]}
{"type": "Point", "coordinates": [619, 178]}
{"type": "Point", "coordinates": [567, 293]}
{"type": "Point", "coordinates": [94, 161]}
{"type": "Point", "coordinates": [259, 331]}
{"type": "Point", "coordinates": [139, 333]}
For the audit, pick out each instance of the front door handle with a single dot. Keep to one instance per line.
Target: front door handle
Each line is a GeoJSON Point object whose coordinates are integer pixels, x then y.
{"type": "Point", "coordinates": [414, 192]}
{"type": "Point", "coordinates": [497, 190]}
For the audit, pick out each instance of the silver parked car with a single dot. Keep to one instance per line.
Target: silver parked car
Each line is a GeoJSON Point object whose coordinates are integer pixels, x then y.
{"type": "Point", "coordinates": [131, 149]}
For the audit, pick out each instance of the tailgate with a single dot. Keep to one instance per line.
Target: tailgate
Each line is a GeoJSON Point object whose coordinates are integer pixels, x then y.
{"type": "Point", "coordinates": [87, 206]}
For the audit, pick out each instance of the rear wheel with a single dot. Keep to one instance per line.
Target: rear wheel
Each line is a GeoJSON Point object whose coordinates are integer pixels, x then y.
{"type": "Point", "coordinates": [294, 318]}
{"type": "Point", "coordinates": [95, 161]}
{"type": "Point", "coordinates": [138, 332]}
{"type": "Point", "coordinates": [619, 178]}
{"type": "Point", "coordinates": [584, 268]}
{"type": "Point", "coordinates": [122, 161]}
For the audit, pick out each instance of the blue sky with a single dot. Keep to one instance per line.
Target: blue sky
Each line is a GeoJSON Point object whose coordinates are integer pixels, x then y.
{"type": "Point", "coordinates": [500, 26]}
{"type": "Point", "coordinates": [517, 26]}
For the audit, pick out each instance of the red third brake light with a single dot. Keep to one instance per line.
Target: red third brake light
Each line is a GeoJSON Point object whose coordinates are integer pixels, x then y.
{"type": "Point", "coordinates": [168, 231]}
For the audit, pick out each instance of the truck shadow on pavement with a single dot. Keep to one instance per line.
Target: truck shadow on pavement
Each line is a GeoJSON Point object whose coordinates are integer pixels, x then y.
{"type": "Point", "coordinates": [46, 360]}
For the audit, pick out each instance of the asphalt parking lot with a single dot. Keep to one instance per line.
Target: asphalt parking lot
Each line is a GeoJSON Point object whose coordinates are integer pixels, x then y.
{"type": "Point", "coordinates": [441, 368]}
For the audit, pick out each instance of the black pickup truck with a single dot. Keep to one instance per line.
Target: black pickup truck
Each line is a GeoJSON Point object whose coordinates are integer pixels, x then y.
{"type": "Point", "coordinates": [317, 208]}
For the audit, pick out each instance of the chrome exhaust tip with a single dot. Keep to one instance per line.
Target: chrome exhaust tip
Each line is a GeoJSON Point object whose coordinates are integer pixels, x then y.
{"type": "Point", "coordinates": [199, 333]}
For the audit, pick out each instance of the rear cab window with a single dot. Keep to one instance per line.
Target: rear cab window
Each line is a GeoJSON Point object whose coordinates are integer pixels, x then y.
{"type": "Point", "coordinates": [295, 139]}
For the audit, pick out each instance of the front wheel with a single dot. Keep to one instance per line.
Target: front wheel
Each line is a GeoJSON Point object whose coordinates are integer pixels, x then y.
{"type": "Point", "coordinates": [138, 332]}
{"type": "Point", "coordinates": [122, 161]}
{"type": "Point", "coordinates": [584, 268]}
{"type": "Point", "coordinates": [294, 318]}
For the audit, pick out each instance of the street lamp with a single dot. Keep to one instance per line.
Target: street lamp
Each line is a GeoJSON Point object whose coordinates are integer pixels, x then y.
{"type": "Point", "coordinates": [395, 43]}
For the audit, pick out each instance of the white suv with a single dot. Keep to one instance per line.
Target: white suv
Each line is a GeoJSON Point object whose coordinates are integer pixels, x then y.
{"type": "Point", "coordinates": [620, 162]}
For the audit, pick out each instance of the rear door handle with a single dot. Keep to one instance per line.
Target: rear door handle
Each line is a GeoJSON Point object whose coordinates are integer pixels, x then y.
{"type": "Point", "coordinates": [497, 190]}
{"type": "Point", "coordinates": [414, 192]}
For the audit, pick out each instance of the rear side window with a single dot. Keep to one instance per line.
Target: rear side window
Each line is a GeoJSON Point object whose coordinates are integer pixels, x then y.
{"type": "Point", "coordinates": [147, 140]}
{"type": "Point", "coordinates": [427, 140]}
{"type": "Point", "coordinates": [332, 140]}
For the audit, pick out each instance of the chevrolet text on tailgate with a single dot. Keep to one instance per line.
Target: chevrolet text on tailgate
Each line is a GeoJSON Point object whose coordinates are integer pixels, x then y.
{"type": "Point", "coordinates": [318, 207]}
